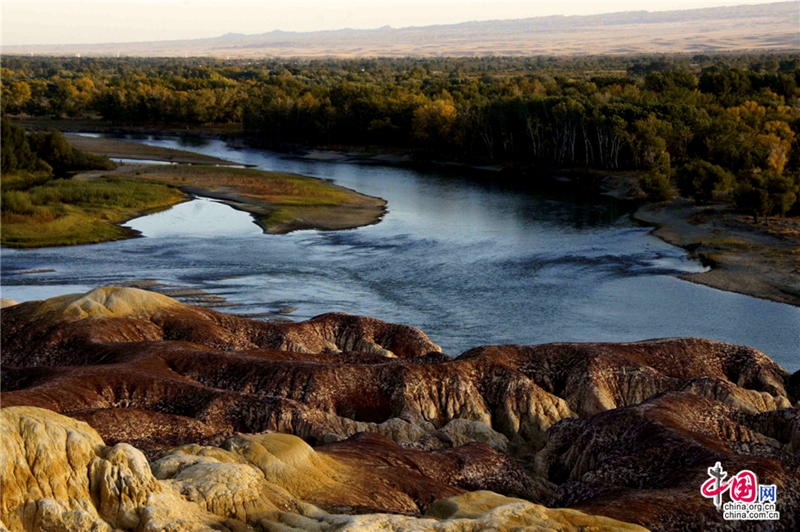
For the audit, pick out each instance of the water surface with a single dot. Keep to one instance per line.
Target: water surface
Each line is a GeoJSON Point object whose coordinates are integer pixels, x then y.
{"type": "Point", "coordinates": [470, 264]}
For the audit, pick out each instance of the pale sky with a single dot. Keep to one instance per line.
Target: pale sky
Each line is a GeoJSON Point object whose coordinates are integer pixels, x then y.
{"type": "Point", "coordinates": [100, 21]}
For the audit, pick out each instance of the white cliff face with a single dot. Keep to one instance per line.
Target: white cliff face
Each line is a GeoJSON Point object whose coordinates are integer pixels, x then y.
{"type": "Point", "coordinates": [58, 476]}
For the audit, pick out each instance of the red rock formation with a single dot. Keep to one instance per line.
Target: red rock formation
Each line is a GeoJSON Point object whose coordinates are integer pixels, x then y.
{"type": "Point", "coordinates": [647, 462]}
{"type": "Point", "coordinates": [624, 430]}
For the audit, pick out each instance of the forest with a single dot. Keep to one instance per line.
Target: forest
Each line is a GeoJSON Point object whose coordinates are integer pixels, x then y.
{"type": "Point", "coordinates": [708, 127]}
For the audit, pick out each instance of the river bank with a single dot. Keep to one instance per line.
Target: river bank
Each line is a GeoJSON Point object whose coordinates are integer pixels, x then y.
{"type": "Point", "coordinates": [743, 257]}
{"type": "Point", "coordinates": [123, 149]}
{"type": "Point", "coordinates": [279, 202]}
{"type": "Point", "coordinates": [755, 259]}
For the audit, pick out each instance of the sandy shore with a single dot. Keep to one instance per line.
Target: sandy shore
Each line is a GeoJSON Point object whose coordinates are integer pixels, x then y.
{"type": "Point", "coordinates": [754, 259]}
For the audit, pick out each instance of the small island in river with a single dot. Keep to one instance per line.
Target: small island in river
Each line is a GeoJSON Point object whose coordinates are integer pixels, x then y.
{"type": "Point", "coordinates": [89, 207]}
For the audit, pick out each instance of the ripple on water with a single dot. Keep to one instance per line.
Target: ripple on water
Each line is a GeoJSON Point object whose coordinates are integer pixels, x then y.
{"type": "Point", "coordinates": [469, 263]}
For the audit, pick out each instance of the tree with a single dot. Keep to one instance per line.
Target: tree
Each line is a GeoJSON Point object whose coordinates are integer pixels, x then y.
{"type": "Point", "coordinates": [774, 145]}
{"type": "Point", "coordinates": [751, 196]}
{"type": "Point", "coordinates": [782, 192]}
{"type": "Point", "coordinates": [15, 96]}
{"type": "Point", "coordinates": [700, 179]}
{"type": "Point", "coordinates": [16, 152]}
{"type": "Point", "coordinates": [656, 186]}
{"type": "Point", "coordinates": [53, 148]}
{"type": "Point", "coordinates": [766, 193]}
{"type": "Point", "coordinates": [434, 123]}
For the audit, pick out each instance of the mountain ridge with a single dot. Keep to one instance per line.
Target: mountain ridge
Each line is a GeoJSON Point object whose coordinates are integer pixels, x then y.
{"type": "Point", "coordinates": [747, 27]}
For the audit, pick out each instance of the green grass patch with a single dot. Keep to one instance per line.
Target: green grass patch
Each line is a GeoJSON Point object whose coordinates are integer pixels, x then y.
{"type": "Point", "coordinates": [275, 188]}
{"type": "Point", "coordinates": [287, 214]}
{"type": "Point", "coordinates": [66, 212]}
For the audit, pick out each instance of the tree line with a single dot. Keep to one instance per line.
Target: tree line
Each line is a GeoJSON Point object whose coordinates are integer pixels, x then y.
{"type": "Point", "coordinates": [30, 159]}
{"type": "Point", "coordinates": [709, 127]}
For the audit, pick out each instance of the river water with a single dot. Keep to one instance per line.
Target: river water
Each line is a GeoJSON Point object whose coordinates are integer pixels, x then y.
{"type": "Point", "coordinates": [470, 264]}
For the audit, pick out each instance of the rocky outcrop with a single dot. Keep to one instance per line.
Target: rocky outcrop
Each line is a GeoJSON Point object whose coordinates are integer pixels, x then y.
{"type": "Point", "coordinates": [624, 430]}
{"type": "Point", "coordinates": [58, 475]}
{"type": "Point", "coordinates": [5, 302]}
{"type": "Point", "coordinates": [56, 331]}
{"type": "Point", "coordinates": [654, 457]}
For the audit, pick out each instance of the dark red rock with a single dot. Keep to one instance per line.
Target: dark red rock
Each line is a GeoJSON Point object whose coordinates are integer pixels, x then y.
{"type": "Point", "coordinates": [625, 430]}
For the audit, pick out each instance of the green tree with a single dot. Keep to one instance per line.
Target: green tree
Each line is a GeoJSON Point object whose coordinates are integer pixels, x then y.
{"type": "Point", "coordinates": [16, 151]}
{"type": "Point", "coordinates": [751, 197]}
{"type": "Point", "coordinates": [765, 193]}
{"type": "Point", "coordinates": [656, 186]}
{"type": "Point", "coordinates": [700, 179]}
{"type": "Point", "coordinates": [782, 192]}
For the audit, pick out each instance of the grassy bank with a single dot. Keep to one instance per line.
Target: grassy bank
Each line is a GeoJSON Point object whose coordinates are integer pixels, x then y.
{"type": "Point", "coordinates": [280, 202]}
{"type": "Point", "coordinates": [65, 212]}
{"type": "Point", "coordinates": [88, 208]}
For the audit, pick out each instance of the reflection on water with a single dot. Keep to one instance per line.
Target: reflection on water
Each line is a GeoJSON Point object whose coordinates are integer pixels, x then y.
{"type": "Point", "coordinates": [139, 161]}
{"type": "Point", "coordinates": [469, 263]}
{"type": "Point", "coordinates": [201, 217]}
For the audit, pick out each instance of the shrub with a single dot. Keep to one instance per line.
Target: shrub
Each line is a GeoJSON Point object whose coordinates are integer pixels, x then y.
{"type": "Point", "coordinates": [656, 186]}
{"type": "Point", "coordinates": [17, 202]}
{"type": "Point", "coordinates": [700, 179]}
{"type": "Point", "coordinates": [765, 193]}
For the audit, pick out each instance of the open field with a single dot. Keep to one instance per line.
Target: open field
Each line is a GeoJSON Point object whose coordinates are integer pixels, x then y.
{"type": "Point", "coordinates": [738, 28]}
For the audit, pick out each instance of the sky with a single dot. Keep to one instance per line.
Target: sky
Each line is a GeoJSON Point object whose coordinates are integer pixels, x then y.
{"type": "Point", "coordinates": [101, 21]}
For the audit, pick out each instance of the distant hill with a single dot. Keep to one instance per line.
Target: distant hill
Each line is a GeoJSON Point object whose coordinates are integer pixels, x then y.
{"type": "Point", "coordinates": [749, 27]}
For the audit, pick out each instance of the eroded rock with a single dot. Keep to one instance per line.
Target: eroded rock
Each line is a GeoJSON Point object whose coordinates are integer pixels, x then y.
{"type": "Point", "coordinates": [389, 423]}
{"type": "Point", "coordinates": [58, 475]}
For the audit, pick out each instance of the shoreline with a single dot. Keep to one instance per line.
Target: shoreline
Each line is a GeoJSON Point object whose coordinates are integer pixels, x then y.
{"type": "Point", "coordinates": [355, 209]}
{"type": "Point", "coordinates": [279, 203]}
{"type": "Point", "coordinates": [132, 150]}
{"type": "Point", "coordinates": [745, 258]}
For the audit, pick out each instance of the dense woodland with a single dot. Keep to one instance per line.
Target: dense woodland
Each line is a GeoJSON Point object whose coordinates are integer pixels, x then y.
{"type": "Point", "coordinates": [710, 127]}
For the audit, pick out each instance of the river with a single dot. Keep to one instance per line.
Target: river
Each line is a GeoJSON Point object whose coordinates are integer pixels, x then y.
{"type": "Point", "coordinates": [469, 263]}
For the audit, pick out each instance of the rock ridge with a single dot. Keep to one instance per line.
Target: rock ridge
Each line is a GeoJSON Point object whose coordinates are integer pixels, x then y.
{"type": "Point", "coordinates": [623, 430]}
